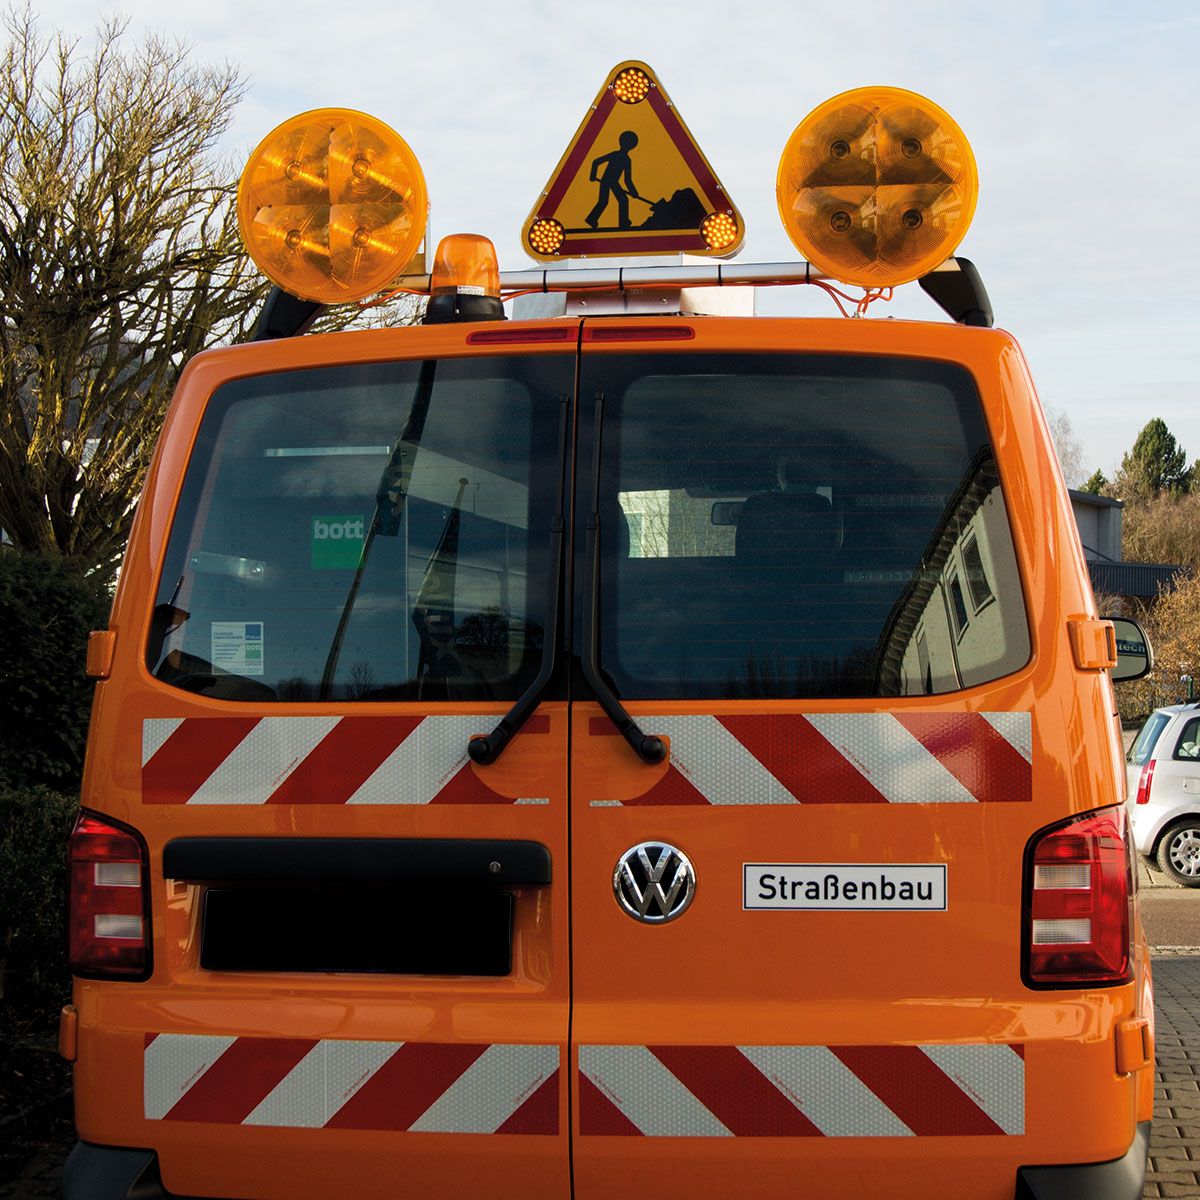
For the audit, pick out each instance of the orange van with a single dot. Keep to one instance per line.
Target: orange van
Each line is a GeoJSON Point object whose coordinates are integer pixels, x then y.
{"type": "Point", "coordinates": [563, 756]}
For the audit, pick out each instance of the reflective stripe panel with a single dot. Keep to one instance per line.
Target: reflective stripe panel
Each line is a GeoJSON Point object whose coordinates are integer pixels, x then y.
{"type": "Point", "coordinates": [653, 1099]}
{"type": "Point", "coordinates": [421, 1087]}
{"type": "Point", "coordinates": [818, 1083]}
{"type": "Point", "coordinates": [840, 758]}
{"type": "Point", "coordinates": [261, 762]}
{"type": "Point", "coordinates": [490, 1091]}
{"type": "Point", "coordinates": [171, 1065]}
{"type": "Point", "coordinates": [802, 1091]}
{"type": "Point", "coordinates": [993, 1076]}
{"type": "Point", "coordinates": [319, 760]}
{"type": "Point", "coordinates": [717, 765]}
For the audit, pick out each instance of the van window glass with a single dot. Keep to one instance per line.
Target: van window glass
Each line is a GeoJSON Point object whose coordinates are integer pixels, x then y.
{"type": "Point", "coordinates": [795, 526]}
{"type": "Point", "coordinates": [366, 533]}
{"type": "Point", "coordinates": [1143, 744]}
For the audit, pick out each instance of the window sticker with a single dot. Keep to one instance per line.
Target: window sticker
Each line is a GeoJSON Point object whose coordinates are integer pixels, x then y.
{"type": "Point", "coordinates": [337, 542]}
{"type": "Point", "coordinates": [237, 647]}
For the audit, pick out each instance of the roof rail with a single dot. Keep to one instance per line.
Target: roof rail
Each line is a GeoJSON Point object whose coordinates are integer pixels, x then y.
{"type": "Point", "coordinates": [955, 286]}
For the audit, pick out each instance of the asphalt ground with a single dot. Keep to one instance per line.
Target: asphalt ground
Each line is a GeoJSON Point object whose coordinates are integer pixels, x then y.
{"type": "Point", "coordinates": [34, 1145]}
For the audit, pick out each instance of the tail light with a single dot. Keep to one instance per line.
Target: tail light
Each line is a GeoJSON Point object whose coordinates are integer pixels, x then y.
{"type": "Point", "coordinates": [1145, 779]}
{"type": "Point", "coordinates": [1079, 892]}
{"type": "Point", "coordinates": [108, 920]}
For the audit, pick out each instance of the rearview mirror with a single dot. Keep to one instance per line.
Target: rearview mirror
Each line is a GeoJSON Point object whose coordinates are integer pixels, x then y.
{"type": "Point", "coordinates": [1135, 657]}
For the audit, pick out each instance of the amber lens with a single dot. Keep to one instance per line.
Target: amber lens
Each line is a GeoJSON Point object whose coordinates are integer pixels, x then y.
{"type": "Point", "coordinates": [631, 85]}
{"type": "Point", "coordinates": [332, 205]}
{"type": "Point", "coordinates": [719, 230]}
{"type": "Point", "coordinates": [465, 263]}
{"type": "Point", "coordinates": [546, 235]}
{"type": "Point", "coordinates": [877, 187]}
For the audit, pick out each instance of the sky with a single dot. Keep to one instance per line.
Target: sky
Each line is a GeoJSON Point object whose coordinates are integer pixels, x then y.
{"type": "Point", "coordinates": [1081, 115]}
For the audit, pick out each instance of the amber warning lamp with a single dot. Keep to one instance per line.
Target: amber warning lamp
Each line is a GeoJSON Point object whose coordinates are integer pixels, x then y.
{"type": "Point", "coordinates": [464, 284]}
{"type": "Point", "coordinates": [332, 205]}
{"type": "Point", "coordinates": [877, 187]}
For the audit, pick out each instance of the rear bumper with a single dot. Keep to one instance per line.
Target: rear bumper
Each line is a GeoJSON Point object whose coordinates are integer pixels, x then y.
{"type": "Point", "coordinates": [1122, 1179]}
{"type": "Point", "coordinates": [113, 1173]}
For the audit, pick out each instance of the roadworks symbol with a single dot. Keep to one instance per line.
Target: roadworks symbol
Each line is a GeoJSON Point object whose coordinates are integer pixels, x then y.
{"type": "Point", "coordinates": [337, 541]}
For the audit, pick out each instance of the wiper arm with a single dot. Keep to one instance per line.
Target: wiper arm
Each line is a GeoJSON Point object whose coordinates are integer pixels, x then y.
{"type": "Point", "coordinates": [485, 749]}
{"type": "Point", "coordinates": [391, 497]}
{"type": "Point", "coordinates": [647, 747]}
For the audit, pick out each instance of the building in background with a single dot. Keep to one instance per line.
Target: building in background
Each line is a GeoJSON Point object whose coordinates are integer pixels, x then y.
{"type": "Point", "coordinates": [1099, 521]}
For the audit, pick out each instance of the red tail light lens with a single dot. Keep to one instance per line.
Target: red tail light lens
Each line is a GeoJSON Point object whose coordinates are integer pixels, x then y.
{"type": "Point", "coordinates": [1079, 894]}
{"type": "Point", "coordinates": [108, 920]}
{"type": "Point", "coordinates": [1145, 779]}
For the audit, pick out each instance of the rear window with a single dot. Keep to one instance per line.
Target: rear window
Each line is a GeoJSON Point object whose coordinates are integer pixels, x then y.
{"type": "Point", "coordinates": [366, 532]}
{"type": "Point", "coordinates": [796, 526]}
{"type": "Point", "coordinates": [1188, 746]}
{"type": "Point", "coordinates": [1144, 743]}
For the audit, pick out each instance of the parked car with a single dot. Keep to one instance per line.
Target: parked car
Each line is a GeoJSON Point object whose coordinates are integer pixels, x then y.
{"type": "Point", "coordinates": [1163, 773]}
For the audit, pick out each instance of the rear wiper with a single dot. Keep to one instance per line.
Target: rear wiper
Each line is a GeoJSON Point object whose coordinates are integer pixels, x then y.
{"type": "Point", "coordinates": [647, 747]}
{"type": "Point", "coordinates": [485, 749]}
{"type": "Point", "coordinates": [391, 497]}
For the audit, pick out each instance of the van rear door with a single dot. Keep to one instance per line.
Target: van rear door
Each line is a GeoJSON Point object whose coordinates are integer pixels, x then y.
{"type": "Point", "coordinates": [806, 575]}
{"type": "Point", "coordinates": [361, 969]}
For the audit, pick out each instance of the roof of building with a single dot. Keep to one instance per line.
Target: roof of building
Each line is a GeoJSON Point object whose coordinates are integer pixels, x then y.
{"type": "Point", "coordinates": [1143, 580]}
{"type": "Point", "coordinates": [1093, 499]}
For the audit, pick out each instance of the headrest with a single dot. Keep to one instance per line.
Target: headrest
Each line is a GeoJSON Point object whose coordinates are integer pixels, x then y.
{"type": "Point", "coordinates": [788, 524]}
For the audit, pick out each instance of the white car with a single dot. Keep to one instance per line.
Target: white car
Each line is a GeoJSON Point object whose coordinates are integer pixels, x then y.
{"type": "Point", "coordinates": [1163, 774]}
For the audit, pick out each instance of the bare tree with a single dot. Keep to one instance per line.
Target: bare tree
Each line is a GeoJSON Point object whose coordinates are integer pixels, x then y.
{"type": "Point", "coordinates": [1067, 444]}
{"type": "Point", "coordinates": [119, 259]}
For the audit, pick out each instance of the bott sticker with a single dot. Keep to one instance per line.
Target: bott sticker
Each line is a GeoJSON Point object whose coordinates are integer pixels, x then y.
{"type": "Point", "coordinates": [337, 542]}
{"type": "Point", "coordinates": [237, 647]}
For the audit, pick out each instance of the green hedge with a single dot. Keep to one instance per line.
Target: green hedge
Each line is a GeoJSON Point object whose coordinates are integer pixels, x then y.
{"type": "Point", "coordinates": [34, 825]}
{"type": "Point", "coordinates": [47, 609]}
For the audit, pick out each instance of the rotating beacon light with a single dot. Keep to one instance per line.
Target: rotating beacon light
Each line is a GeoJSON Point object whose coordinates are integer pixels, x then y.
{"type": "Point", "coordinates": [464, 284]}
{"type": "Point", "coordinates": [877, 186]}
{"type": "Point", "coordinates": [332, 205]}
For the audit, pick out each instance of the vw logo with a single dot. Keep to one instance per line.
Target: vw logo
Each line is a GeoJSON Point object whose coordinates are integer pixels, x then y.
{"type": "Point", "coordinates": [654, 882]}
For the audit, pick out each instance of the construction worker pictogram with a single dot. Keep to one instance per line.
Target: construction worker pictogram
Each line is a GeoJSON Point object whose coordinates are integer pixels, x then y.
{"type": "Point", "coordinates": [633, 146]}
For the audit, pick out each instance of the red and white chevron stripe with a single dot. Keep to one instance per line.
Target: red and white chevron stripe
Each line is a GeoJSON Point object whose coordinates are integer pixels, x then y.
{"type": "Point", "coordinates": [318, 760]}
{"type": "Point", "coordinates": [840, 758]}
{"type": "Point", "coordinates": [419, 1087]}
{"type": "Point", "coordinates": [802, 1091]}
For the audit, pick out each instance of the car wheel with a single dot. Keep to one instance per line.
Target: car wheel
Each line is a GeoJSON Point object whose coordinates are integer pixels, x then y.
{"type": "Point", "coordinates": [1179, 852]}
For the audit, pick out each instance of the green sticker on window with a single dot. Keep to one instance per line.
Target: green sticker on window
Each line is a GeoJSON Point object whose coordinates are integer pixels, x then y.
{"type": "Point", "coordinates": [337, 542]}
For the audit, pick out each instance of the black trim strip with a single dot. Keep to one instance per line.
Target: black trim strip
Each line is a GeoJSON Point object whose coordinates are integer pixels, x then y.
{"type": "Point", "coordinates": [357, 860]}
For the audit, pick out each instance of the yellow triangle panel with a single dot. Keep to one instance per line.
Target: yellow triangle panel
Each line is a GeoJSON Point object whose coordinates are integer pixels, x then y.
{"type": "Point", "coordinates": [632, 181]}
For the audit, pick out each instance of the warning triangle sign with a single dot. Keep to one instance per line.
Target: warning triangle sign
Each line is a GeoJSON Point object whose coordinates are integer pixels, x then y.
{"type": "Point", "coordinates": [632, 181]}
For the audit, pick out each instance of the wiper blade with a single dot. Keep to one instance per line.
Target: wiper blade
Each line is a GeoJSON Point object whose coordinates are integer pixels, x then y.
{"type": "Point", "coordinates": [391, 496]}
{"type": "Point", "coordinates": [647, 747]}
{"type": "Point", "coordinates": [485, 749]}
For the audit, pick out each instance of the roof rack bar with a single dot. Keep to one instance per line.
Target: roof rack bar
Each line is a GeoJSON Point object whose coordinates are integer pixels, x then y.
{"type": "Point", "coordinates": [955, 287]}
{"type": "Point", "coordinates": [562, 279]}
